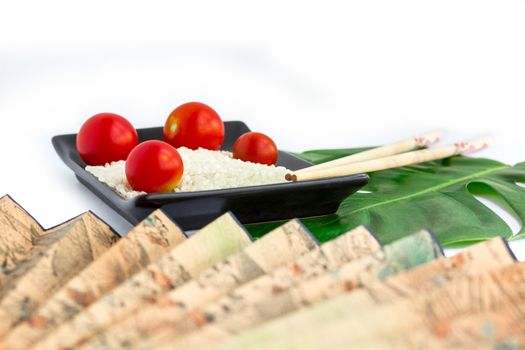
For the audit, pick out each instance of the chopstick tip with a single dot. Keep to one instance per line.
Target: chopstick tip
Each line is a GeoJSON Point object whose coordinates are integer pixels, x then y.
{"type": "Point", "coordinates": [290, 177]}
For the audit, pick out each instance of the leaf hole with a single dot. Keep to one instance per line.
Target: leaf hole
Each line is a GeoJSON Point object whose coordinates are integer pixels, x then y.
{"type": "Point", "coordinates": [520, 184]}
{"type": "Point", "coordinates": [364, 191]}
{"type": "Point", "coordinates": [495, 202]}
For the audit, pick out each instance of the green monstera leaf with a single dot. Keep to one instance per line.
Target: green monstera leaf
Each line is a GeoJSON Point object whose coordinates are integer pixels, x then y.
{"type": "Point", "coordinates": [435, 195]}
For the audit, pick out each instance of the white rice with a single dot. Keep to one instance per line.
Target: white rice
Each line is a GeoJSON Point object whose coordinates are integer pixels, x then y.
{"type": "Point", "coordinates": [203, 170]}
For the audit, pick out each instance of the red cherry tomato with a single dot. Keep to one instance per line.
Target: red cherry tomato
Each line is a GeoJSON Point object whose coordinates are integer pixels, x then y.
{"type": "Point", "coordinates": [194, 125]}
{"type": "Point", "coordinates": [154, 166]}
{"type": "Point", "coordinates": [104, 138]}
{"type": "Point", "coordinates": [256, 148]}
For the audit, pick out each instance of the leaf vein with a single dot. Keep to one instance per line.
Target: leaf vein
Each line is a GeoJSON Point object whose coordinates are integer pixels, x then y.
{"type": "Point", "coordinates": [431, 189]}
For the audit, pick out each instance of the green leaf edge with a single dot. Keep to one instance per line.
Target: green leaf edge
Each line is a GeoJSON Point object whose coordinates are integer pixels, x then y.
{"type": "Point", "coordinates": [307, 156]}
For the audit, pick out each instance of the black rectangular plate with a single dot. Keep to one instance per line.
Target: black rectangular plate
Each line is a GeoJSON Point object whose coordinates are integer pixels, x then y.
{"type": "Point", "coordinates": [192, 210]}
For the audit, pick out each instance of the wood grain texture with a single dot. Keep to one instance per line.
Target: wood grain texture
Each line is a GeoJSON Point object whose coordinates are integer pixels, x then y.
{"type": "Point", "coordinates": [18, 231]}
{"type": "Point", "coordinates": [12, 215]}
{"type": "Point", "coordinates": [348, 247]}
{"type": "Point", "coordinates": [144, 244]}
{"type": "Point", "coordinates": [474, 261]}
{"type": "Point", "coordinates": [78, 285]}
{"type": "Point", "coordinates": [210, 245]}
{"type": "Point", "coordinates": [65, 252]}
{"type": "Point", "coordinates": [476, 312]}
{"type": "Point", "coordinates": [496, 328]}
{"type": "Point", "coordinates": [246, 313]}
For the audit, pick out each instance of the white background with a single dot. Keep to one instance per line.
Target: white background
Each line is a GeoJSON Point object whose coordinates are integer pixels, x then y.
{"type": "Point", "coordinates": [310, 74]}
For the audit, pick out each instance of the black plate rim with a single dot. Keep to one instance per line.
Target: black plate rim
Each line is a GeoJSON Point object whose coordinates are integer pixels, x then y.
{"type": "Point", "coordinates": [160, 199]}
{"type": "Point", "coordinates": [165, 198]}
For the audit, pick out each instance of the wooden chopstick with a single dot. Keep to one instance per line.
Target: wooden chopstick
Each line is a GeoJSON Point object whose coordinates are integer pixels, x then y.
{"type": "Point", "coordinates": [394, 161]}
{"type": "Point", "coordinates": [410, 144]}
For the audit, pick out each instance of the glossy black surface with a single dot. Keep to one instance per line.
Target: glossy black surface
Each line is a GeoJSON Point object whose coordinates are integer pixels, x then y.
{"type": "Point", "coordinates": [192, 210]}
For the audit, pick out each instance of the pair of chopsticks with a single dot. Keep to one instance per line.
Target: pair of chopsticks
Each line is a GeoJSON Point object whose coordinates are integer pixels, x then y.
{"type": "Point", "coordinates": [390, 156]}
